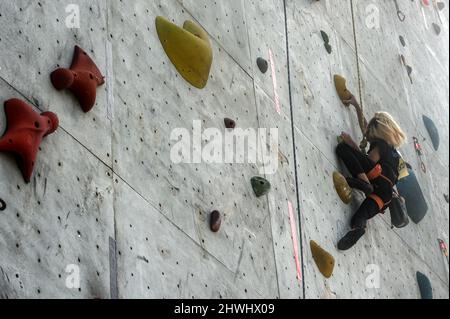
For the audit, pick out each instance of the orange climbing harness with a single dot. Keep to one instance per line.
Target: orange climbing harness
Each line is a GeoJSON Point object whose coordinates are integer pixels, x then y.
{"type": "Point", "coordinates": [373, 174]}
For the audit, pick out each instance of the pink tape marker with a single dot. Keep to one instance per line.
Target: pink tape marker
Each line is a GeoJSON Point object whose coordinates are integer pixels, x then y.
{"type": "Point", "coordinates": [294, 240]}
{"type": "Point", "coordinates": [274, 81]}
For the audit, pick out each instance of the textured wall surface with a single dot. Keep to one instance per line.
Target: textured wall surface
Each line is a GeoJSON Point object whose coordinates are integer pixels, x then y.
{"type": "Point", "coordinates": [106, 198]}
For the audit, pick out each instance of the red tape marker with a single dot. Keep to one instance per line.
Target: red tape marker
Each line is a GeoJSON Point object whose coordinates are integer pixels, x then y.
{"type": "Point", "coordinates": [294, 240]}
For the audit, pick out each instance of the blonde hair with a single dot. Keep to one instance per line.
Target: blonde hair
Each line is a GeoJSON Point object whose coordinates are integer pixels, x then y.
{"type": "Point", "coordinates": [383, 126]}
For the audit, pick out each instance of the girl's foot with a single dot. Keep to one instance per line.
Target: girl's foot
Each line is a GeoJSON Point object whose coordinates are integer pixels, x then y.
{"type": "Point", "coordinates": [349, 240]}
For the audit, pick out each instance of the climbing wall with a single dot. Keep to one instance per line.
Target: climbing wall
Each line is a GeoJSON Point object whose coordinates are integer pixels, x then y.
{"type": "Point", "coordinates": [107, 200]}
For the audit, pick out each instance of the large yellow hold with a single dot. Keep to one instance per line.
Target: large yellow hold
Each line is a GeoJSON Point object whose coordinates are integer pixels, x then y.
{"type": "Point", "coordinates": [323, 259]}
{"type": "Point", "coordinates": [342, 188]}
{"type": "Point", "coordinates": [341, 88]}
{"type": "Point", "coordinates": [188, 48]}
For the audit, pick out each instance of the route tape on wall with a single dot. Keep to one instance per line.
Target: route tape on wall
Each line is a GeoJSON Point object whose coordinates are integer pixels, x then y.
{"type": "Point", "coordinates": [294, 240]}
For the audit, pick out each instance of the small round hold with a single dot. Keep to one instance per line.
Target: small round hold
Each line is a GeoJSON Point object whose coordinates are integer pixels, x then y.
{"type": "Point", "coordinates": [229, 123]}
{"type": "Point", "coordinates": [262, 65]}
{"type": "Point", "coordinates": [437, 28]}
{"type": "Point", "coordinates": [2, 205]}
{"type": "Point", "coordinates": [215, 220]}
{"type": "Point", "coordinates": [402, 41]}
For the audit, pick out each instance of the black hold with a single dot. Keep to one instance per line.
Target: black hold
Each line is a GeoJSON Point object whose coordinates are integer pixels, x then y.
{"type": "Point", "coordinates": [432, 131]}
{"type": "Point", "coordinates": [326, 41]}
{"type": "Point", "coordinates": [402, 41]}
{"type": "Point", "coordinates": [2, 205]}
{"type": "Point", "coordinates": [215, 220]}
{"type": "Point", "coordinates": [446, 197]}
{"type": "Point", "coordinates": [262, 65]}
{"type": "Point", "coordinates": [229, 123]}
{"type": "Point", "coordinates": [260, 185]}
{"type": "Point", "coordinates": [440, 6]}
{"type": "Point", "coordinates": [437, 28]}
{"type": "Point", "coordinates": [426, 291]}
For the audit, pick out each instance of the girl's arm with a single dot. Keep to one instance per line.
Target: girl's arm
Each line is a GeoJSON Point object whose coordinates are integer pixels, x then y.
{"type": "Point", "coordinates": [361, 119]}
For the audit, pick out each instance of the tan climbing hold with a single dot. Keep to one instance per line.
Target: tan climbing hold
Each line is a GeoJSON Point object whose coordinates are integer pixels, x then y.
{"type": "Point", "coordinates": [341, 88]}
{"type": "Point", "coordinates": [188, 48]}
{"type": "Point", "coordinates": [323, 259]}
{"type": "Point", "coordinates": [342, 188]}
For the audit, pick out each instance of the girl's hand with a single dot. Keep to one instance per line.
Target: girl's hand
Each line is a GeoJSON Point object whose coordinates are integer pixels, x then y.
{"type": "Point", "coordinates": [347, 138]}
{"type": "Point", "coordinates": [352, 101]}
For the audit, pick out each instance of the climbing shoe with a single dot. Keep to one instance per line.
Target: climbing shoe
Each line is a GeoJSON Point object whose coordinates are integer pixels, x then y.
{"type": "Point", "coordinates": [349, 240]}
{"type": "Point", "coordinates": [342, 188]}
{"type": "Point", "coordinates": [359, 184]}
{"type": "Point", "coordinates": [260, 185]}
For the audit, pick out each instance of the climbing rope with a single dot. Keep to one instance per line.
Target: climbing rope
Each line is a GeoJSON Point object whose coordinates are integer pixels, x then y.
{"type": "Point", "coordinates": [363, 143]}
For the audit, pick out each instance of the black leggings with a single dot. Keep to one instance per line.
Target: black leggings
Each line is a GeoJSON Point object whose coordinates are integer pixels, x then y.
{"type": "Point", "coordinates": [358, 163]}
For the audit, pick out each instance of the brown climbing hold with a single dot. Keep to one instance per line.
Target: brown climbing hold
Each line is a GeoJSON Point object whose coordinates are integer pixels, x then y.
{"type": "Point", "coordinates": [323, 259]}
{"type": "Point", "coordinates": [342, 188]}
{"type": "Point", "coordinates": [215, 220]}
{"type": "Point", "coordinates": [341, 88]}
{"type": "Point", "coordinates": [25, 130]}
{"type": "Point", "coordinates": [188, 49]}
{"type": "Point", "coordinates": [229, 123]}
{"type": "Point", "coordinates": [82, 79]}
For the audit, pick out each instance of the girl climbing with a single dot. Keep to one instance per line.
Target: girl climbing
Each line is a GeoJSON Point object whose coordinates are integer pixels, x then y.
{"type": "Point", "coordinates": [374, 173]}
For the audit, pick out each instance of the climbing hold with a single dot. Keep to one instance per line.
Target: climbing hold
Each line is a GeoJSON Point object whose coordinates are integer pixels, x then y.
{"type": "Point", "coordinates": [215, 220]}
{"type": "Point", "coordinates": [416, 205]}
{"type": "Point", "coordinates": [2, 205]}
{"type": "Point", "coordinates": [229, 123]}
{"type": "Point", "coordinates": [82, 79]}
{"type": "Point", "coordinates": [446, 197]}
{"type": "Point", "coordinates": [326, 41]}
{"type": "Point", "coordinates": [262, 65]}
{"type": "Point", "coordinates": [437, 28]}
{"type": "Point", "coordinates": [342, 188]}
{"type": "Point", "coordinates": [323, 259]}
{"type": "Point", "coordinates": [440, 5]}
{"type": "Point", "coordinates": [426, 292]}
{"type": "Point", "coordinates": [260, 185]}
{"type": "Point", "coordinates": [402, 41]}
{"type": "Point", "coordinates": [426, 3]}
{"type": "Point", "coordinates": [188, 48]}
{"type": "Point", "coordinates": [432, 131]}
{"type": "Point", "coordinates": [24, 133]}
{"type": "Point", "coordinates": [341, 88]}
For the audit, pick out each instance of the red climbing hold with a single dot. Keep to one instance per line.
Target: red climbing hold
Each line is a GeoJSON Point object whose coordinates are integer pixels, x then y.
{"type": "Point", "coordinates": [24, 133]}
{"type": "Point", "coordinates": [82, 79]}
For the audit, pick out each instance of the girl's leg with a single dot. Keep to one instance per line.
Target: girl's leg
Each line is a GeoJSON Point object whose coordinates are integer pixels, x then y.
{"type": "Point", "coordinates": [356, 162]}
{"type": "Point", "coordinates": [368, 209]}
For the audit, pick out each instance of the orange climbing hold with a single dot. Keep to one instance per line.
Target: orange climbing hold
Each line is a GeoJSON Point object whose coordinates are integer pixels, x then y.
{"type": "Point", "coordinates": [82, 79]}
{"type": "Point", "coordinates": [25, 131]}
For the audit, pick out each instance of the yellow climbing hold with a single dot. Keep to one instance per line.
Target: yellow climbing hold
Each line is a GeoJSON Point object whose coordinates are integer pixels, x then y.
{"type": "Point", "coordinates": [341, 88]}
{"type": "Point", "coordinates": [342, 188]}
{"type": "Point", "coordinates": [188, 48]}
{"type": "Point", "coordinates": [323, 259]}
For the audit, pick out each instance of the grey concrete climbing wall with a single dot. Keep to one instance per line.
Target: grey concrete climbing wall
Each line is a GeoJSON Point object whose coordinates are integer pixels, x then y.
{"type": "Point", "coordinates": [106, 201]}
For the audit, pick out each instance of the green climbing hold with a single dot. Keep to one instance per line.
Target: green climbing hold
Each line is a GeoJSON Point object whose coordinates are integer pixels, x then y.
{"type": "Point", "coordinates": [260, 185]}
{"type": "Point", "coordinates": [432, 131]}
{"type": "Point", "coordinates": [426, 291]}
{"type": "Point", "coordinates": [322, 258]}
{"type": "Point", "coordinates": [188, 48]}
